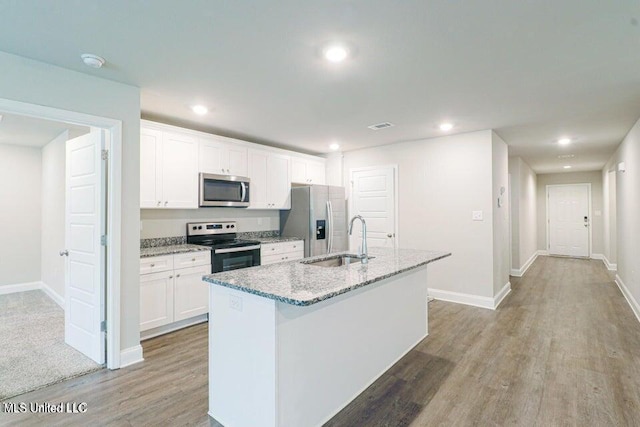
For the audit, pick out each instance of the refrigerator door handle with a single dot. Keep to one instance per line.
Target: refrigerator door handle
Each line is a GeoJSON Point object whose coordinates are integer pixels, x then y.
{"type": "Point", "coordinates": [330, 226]}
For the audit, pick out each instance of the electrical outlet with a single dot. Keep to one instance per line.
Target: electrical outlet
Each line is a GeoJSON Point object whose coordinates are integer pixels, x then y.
{"type": "Point", "coordinates": [476, 215]}
{"type": "Point", "coordinates": [235, 302]}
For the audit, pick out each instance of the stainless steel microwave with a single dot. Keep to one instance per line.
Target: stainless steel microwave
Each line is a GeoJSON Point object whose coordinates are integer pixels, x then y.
{"type": "Point", "coordinates": [224, 191]}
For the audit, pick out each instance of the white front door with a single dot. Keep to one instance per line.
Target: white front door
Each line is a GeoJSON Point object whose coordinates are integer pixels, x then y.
{"type": "Point", "coordinates": [373, 198]}
{"type": "Point", "coordinates": [85, 264]}
{"type": "Point", "coordinates": [568, 207]}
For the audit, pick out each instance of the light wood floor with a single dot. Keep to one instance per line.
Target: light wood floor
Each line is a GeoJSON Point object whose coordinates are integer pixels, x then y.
{"type": "Point", "coordinates": [562, 349]}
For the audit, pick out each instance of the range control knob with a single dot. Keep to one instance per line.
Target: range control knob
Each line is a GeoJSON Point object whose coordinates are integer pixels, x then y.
{"type": "Point", "coordinates": [195, 228]}
{"type": "Point", "coordinates": [228, 226]}
{"type": "Point", "coordinates": [233, 226]}
{"type": "Point", "coordinates": [199, 227]}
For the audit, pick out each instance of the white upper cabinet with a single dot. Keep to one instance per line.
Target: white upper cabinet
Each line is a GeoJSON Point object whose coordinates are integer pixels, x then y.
{"type": "Point", "coordinates": [222, 158]}
{"type": "Point", "coordinates": [307, 171]}
{"type": "Point", "coordinates": [270, 175]}
{"type": "Point", "coordinates": [168, 170]}
{"type": "Point", "coordinates": [150, 168]}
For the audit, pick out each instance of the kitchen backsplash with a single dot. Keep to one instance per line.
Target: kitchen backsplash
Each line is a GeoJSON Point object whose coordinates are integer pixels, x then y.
{"type": "Point", "coordinates": [161, 223]}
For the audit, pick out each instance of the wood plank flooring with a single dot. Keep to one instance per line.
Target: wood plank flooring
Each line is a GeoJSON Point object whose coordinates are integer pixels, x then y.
{"type": "Point", "coordinates": [562, 349]}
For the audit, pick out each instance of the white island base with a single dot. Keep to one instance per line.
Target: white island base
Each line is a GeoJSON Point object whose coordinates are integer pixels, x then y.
{"type": "Point", "coordinates": [276, 364]}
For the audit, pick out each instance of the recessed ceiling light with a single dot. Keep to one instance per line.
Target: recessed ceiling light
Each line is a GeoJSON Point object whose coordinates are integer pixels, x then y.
{"type": "Point", "coordinates": [1, 117]}
{"type": "Point", "coordinates": [335, 146]}
{"type": "Point", "coordinates": [567, 167]}
{"type": "Point", "coordinates": [200, 110]}
{"type": "Point", "coordinates": [564, 141]}
{"type": "Point", "coordinates": [335, 53]}
{"type": "Point", "coordinates": [445, 127]}
{"type": "Point", "coordinates": [91, 60]}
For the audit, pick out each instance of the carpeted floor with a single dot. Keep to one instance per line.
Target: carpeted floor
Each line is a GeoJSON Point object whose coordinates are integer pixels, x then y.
{"type": "Point", "coordinates": [33, 353]}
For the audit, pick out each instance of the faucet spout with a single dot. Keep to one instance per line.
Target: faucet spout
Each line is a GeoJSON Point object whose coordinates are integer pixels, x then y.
{"type": "Point", "coordinates": [365, 253]}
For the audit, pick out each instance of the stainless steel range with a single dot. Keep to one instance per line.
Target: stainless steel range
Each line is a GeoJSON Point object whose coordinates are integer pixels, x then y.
{"type": "Point", "coordinates": [228, 252]}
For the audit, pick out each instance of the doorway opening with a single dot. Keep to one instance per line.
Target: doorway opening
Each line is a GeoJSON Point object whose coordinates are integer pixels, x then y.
{"type": "Point", "coordinates": [569, 220]}
{"type": "Point", "coordinates": [102, 314]}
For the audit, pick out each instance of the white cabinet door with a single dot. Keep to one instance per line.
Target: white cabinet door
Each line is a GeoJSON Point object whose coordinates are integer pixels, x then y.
{"type": "Point", "coordinates": [316, 172]}
{"type": "Point", "coordinates": [156, 300]}
{"type": "Point", "coordinates": [222, 158]}
{"type": "Point", "coordinates": [299, 170]}
{"type": "Point", "coordinates": [211, 156]}
{"type": "Point", "coordinates": [258, 173]}
{"type": "Point", "coordinates": [191, 296]}
{"type": "Point", "coordinates": [150, 168]}
{"type": "Point", "coordinates": [279, 182]}
{"type": "Point", "coordinates": [179, 171]}
{"type": "Point", "coordinates": [237, 160]}
{"type": "Point", "coordinates": [305, 171]}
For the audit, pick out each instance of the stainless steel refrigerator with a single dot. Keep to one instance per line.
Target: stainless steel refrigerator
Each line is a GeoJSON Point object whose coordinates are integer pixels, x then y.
{"type": "Point", "coordinates": [319, 216]}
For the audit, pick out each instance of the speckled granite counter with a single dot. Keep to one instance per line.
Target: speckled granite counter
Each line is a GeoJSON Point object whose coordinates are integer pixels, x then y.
{"type": "Point", "coordinates": [171, 249]}
{"type": "Point", "coordinates": [267, 240]}
{"type": "Point", "coordinates": [302, 284]}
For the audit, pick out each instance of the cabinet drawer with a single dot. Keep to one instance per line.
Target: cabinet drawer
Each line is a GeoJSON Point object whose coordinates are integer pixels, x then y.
{"type": "Point", "coordinates": [280, 248]}
{"type": "Point", "coordinates": [272, 259]}
{"type": "Point", "coordinates": [191, 259]}
{"type": "Point", "coordinates": [156, 264]}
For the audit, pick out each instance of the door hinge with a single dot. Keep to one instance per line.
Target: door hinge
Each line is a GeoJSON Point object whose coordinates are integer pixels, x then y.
{"type": "Point", "coordinates": [103, 326]}
{"type": "Point", "coordinates": [105, 154]}
{"type": "Point", "coordinates": [103, 240]}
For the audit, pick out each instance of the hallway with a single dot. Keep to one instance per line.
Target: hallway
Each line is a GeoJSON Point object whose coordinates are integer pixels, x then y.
{"type": "Point", "coordinates": [562, 349]}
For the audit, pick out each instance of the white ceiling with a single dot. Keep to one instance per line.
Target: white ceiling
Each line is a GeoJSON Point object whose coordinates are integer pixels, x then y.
{"type": "Point", "coordinates": [534, 71]}
{"type": "Point", "coordinates": [32, 132]}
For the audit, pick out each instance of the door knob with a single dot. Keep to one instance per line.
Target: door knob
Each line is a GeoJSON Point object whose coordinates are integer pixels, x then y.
{"type": "Point", "coordinates": [64, 253]}
{"type": "Point", "coordinates": [389, 235]}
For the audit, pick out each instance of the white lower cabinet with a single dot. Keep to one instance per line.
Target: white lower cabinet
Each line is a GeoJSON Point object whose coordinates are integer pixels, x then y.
{"type": "Point", "coordinates": [171, 288]}
{"type": "Point", "coordinates": [271, 253]}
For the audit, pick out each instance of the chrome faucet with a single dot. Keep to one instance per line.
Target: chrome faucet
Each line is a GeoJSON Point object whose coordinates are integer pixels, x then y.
{"type": "Point", "coordinates": [365, 255]}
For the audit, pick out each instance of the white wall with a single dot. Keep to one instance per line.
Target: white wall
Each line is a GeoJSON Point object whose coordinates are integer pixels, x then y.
{"type": "Point", "coordinates": [441, 181]}
{"type": "Point", "coordinates": [628, 207]}
{"type": "Point", "coordinates": [524, 238]}
{"type": "Point", "coordinates": [609, 213]}
{"type": "Point", "coordinates": [38, 83]}
{"type": "Point", "coordinates": [334, 169]}
{"type": "Point", "coordinates": [595, 179]}
{"type": "Point", "coordinates": [20, 213]}
{"type": "Point", "coordinates": [53, 213]}
{"type": "Point", "coordinates": [172, 222]}
{"type": "Point", "coordinates": [500, 186]}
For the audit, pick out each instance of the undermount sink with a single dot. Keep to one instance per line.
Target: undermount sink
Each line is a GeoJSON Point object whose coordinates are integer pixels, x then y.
{"type": "Point", "coordinates": [336, 261]}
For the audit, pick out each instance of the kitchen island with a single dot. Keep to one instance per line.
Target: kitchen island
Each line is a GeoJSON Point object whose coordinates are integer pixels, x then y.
{"type": "Point", "coordinates": [291, 344]}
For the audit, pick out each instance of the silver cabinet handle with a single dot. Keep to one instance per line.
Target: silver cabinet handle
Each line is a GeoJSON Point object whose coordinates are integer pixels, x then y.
{"type": "Point", "coordinates": [193, 259]}
{"type": "Point", "coordinates": [64, 253]}
{"type": "Point", "coordinates": [222, 170]}
{"type": "Point", "coordinates": [177, 275]}
{"type": "Point", "coordinates": [166, 203]}
{"type": "Point", "coordinates": [159, 202]}
{"type": "Point", "coordinates": [153, 265]}
{"type": "Point", "coordinates": [171, 277]}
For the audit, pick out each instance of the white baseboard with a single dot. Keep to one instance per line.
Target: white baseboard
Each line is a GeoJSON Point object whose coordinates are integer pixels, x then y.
{"type": "Point", "coordinates": [597, 256]}
{"type": "Point", "coordinates": [131, 355]}
{"type": "Point", "coordinates": [20, 287]}
{"type": "Point", "coordinates": [610, 266]}
{"type": "Point", "coordinates": [33, 286]}
{"type": "Point", "coordinates": [635, 307]}
{"type": "Point", "coordinates": [460, 298]}
{"type": "Point", "coordinates": [520, 272]}
{"type": "Point", "coordinates": [56, 297]}
{"type": "Point", "coordinates": [501, 295]}
{"type": "Point", "coordinates": [171, 327]}
{"type": "Point", "coordinates": [542, 252]}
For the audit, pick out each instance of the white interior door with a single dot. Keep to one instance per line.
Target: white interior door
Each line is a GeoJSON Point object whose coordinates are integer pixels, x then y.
{"type": "Point", "coordinates": [373, 197]}
{"type": "Point", "coordinates": [569, 222]}
{"type": "Point", "coordinates": [85, 264]}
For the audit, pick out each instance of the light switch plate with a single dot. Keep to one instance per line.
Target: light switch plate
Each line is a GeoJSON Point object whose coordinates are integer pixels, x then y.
{"type": "Point", "coordinates": [476, 215]}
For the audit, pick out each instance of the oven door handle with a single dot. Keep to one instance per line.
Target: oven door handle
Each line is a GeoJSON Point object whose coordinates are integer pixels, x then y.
{"type": "Point", "coordinates": [240, 249]}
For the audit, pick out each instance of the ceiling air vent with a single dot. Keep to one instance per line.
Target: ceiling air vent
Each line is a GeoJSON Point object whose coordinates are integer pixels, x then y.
{"type": "Point", "coordinates": [379, 126]}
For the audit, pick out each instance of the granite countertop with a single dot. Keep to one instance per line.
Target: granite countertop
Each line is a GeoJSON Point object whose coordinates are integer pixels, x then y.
{"type": "Point", "coordinates": [300, 284]}
{"type": "Point", "coordinates": [267, 240]}
{"type": "Point", "coordinates": [171, 249]}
